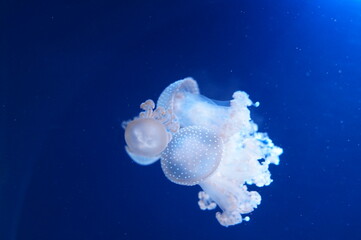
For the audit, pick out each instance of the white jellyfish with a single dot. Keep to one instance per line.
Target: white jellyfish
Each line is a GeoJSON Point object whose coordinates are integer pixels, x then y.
{"type": "Point", "coordinates": [149, 134]}
{"type": "Point", "coordinates": [201, 141]}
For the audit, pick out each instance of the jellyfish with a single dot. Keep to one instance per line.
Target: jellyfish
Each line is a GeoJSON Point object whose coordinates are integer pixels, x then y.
{"type": "Point", "coordinates": [149, 133]}
{"type": "Point", "coordinates": [200, 141]}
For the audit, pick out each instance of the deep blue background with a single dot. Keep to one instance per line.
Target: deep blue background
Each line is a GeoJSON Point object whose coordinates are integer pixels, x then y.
{"type": "Point", "coordinates": [72, 71]}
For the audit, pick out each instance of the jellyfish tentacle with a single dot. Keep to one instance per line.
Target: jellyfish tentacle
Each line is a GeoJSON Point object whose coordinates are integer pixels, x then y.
{"type": "Point", "coordinates": [205, 202]}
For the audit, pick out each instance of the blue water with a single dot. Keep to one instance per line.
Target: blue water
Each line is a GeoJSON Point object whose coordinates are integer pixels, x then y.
{"type": "Point", "coordinates": [72, 71]}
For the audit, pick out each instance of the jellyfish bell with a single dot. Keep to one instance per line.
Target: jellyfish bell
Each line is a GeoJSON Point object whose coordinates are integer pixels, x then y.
{"type": "Point", "coordinates": [146, 137]}
{"type": "Point", "coordinates": [175, 90]}
{"type": "Point", "coordinates": [193, 155]}
{"type": "Point", "coordinates": [192, 108]}
{"type": "Point", "coordinates": [149, 134]}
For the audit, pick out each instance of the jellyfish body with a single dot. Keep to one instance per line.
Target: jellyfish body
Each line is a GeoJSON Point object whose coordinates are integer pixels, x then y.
{"type": "Point", "coordinates": [202, 142]}
{"type": "Point", "coordinates": [146, 137]}
{"type": "Point", "coordinates": [149, 134]}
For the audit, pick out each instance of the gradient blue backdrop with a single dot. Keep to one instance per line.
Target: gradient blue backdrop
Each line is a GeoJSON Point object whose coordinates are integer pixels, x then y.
{"type": "Point", "coordinates": [72, 71]}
